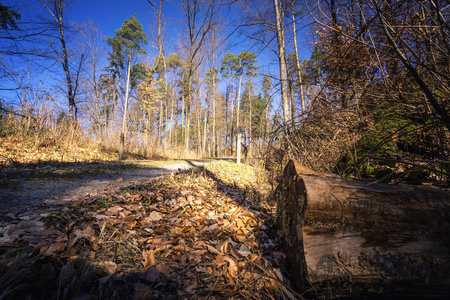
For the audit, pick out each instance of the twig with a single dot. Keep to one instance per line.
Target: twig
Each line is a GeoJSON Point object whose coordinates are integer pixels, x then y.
{"type": "Point", "coordinates": [7, 157]}
{"type": "Point", "coordinates": [215, 283]}
{"type": "Point", "coordinates": [408, 163]}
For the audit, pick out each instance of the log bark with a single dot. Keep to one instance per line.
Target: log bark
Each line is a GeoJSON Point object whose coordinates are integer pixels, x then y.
{"type": "Point", "coordinates": [359, 237]}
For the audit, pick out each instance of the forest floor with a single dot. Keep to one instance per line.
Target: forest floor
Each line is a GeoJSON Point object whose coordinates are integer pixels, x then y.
{"type": "Point", "coordinates": [108, 230]}
{"type": "Point", "coordinates": [29, 186]}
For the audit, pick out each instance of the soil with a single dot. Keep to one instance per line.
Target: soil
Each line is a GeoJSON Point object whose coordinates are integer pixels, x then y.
{"type": "Point", "coordinates": [32, 187]}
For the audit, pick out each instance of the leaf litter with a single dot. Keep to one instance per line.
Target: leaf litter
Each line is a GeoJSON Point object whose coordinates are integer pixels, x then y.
{"type": "Point", "coordinates": [200, 234]}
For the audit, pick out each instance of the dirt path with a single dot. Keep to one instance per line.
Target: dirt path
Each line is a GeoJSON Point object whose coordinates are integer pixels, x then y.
{"type": "Point", "coordinates": [30, 189]}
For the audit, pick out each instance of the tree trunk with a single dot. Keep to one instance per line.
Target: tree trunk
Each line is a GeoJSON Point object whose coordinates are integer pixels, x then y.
{"type": "Point", "coordinates": [166, 109]}
{"type": "Point", "coordinates": [205, 129]}
{"type": "Point", "coordinates": [214, 132]}
{"type": "Point", "coordinates": [125, 112]}
{"type": "Point", "coordinates": [238, 108]}
{"type": "Point", "coordinates": [160, 123]}
{"type": "Point", "coordinates": [172, 108]}
{"type": "Point", "coordinates": [291, 101]}
{"type": "Point", "coordinates": [183, 119]}
{"type": "Point", "coordinates": [352, 235]}
{"type": "Point", "coordinates": [297, 62]}
{"type": "Point", "coordinates": [57, 15]}
{"type": "Point", "coordinates": [250, 127]}
{"type": "Point", "coordinates": [282, 60]}
{"type": "Point", "coordinates": [232, 123]}
{"type": "Point", "coordinates": [188, 105]}
{"type": "Point", "coordinates": [186, 131]}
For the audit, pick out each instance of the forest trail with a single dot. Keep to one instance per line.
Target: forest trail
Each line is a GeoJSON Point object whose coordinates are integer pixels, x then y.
{"type": "Point", "coordinates": [28, 189]}
{"type": "Point", "coordinates": [205, 233]}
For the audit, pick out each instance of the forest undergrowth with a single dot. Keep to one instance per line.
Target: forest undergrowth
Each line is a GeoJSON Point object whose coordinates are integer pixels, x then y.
{"type": "Point", "coordinates": [201, 234]}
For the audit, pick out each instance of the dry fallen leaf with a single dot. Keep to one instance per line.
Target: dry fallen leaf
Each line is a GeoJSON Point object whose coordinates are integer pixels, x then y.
{"type": "Point", "coordinates": [212, 249]}
{"type": "Point", "coordinates": [155, 216]}
{"type": "Point", "coordinates": [89, 231]}
{"type": "Point", "coordinates": [52, 249]}
{"type": "Point", "coordinates": [107, 265]}
{"type": "Point", "coordinates": [232, 267]}
{"type": "Point", "coordinates": [149, 259]}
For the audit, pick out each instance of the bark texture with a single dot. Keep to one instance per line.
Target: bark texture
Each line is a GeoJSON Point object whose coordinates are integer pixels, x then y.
{"type": "Point", "coordinates": [291, 207]}
{"type": "Point", "coordinates": [364, 238]}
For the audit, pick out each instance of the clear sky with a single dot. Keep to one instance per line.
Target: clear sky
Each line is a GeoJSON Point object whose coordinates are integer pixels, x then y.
{"type": "Point", "coordinates": [110, 14]}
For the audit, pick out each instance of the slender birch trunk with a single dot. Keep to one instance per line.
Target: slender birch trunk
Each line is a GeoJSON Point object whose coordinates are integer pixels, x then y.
{"type": "Point", "coordinates": [124, 120]}
{"type": "Point", "coordinates": [238, 140]}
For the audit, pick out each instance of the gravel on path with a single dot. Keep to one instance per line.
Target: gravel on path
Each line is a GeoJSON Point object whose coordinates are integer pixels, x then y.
{"type": "Point", "coordinates": [32, 192]}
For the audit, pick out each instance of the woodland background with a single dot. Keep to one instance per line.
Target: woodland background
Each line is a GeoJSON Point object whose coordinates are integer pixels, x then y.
{"type": "Point", "coordinates": [371, 101]}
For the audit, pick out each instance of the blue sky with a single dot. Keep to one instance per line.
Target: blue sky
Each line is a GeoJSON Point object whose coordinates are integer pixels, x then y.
{"type": "Point", "coordinates": [110, 14]}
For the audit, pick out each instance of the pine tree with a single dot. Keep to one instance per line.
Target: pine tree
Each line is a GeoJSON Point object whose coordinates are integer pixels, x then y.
{"type": "Point", "coordinates": [238, 67]}
{"type": "Point", "coordinates": [126, 43]}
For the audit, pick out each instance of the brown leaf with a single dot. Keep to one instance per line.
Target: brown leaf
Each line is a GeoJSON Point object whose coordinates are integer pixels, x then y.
{"type": "Point", "coordinates": [78, 203]}
{"type": "Point", "coordinates": [115, 209]}
{"type": "Point", "coordinates": [163, 268]}
{"type": "Point", "coordinates": [89, 231]}
{"type": "Point", "coordinates": [240, 224]}
{"type": "Point", "coordinates": [46, 232]}
{"type": "Point", "coordinates": [108, 266]}
{"type": "Point", "coordinates": [155, 216]}
{"type": "Point", "coordinates": [180, 247]}
{"type": "Point", "coordinates": [212, 249]}
{"type": "Point", "coordinates": [149, 259]}
{"type": "Point", "coordinates": [52, 249]}
{"type": "Point", "coordinates": [118, 180]}
{"type": "Point", "coordinates": [224, 247]}
{"type": "Point", "coordinates": [232, 267]}
{"type": "Point", "coordinates": [219, 261]}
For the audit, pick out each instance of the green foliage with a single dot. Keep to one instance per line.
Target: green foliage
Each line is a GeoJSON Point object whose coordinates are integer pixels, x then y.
{"type": "Point", "coordinates": [139, 73]}
{"type": "Point", "coordinates": [174, 61]}
{"type": "Point", "coordinates": [8, 18]}
{"type": "Point", "coordinates": [242, 65]}
{"type": "Point", "coordinates": [127, 42]}
{"type": "Point", "coordinates": [211, 77]}
{"type": "Point", "coordinates": [161, 65]}
{"type": "Point", "coordinates": [245, 64]}
{"type": "Point", "coordinates": [227, 65]}
{"type": "Point", "coordinates": [129, 39]}
{"type": "Point", "coordinates": [393, 135]}
{"type": "Point", "coordinates": [314, 68]}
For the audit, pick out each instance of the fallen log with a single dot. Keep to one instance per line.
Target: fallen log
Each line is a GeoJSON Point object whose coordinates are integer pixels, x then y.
{"type": "Point", "coordinates": [356, 238]}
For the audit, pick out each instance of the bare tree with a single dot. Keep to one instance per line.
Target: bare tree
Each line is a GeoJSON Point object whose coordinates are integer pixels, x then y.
{"type": "Point", "coordinates": [56, 10]}
{"type": "Point", "coordinates": [199, 19]}
{"type": "Point", "coordinates": [97, 105]}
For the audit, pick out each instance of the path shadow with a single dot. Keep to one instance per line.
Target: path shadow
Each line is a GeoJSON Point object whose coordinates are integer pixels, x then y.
{"type": "Point", "coordinates": [47, 275]}
{"type": "Point", "coordinates": [36, 185]}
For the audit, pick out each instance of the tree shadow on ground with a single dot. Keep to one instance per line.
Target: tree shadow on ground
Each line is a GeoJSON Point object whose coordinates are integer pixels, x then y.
{"type": "Point", "coordinates": [32, 185]}
{"type": "Point", "coordinates": [148, 241]}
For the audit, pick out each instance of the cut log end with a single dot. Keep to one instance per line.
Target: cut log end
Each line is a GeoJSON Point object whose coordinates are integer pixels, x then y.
{"type": "Point", "coordinates": [355, 234]}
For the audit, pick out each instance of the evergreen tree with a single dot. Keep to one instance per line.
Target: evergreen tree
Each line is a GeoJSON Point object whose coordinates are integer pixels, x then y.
{"type": "Point", "coordinates": [239, 67]}
{"type": "Point", "coordinates": [126, 43]}
{"type": "Point", "coordinates": [8, 18]}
